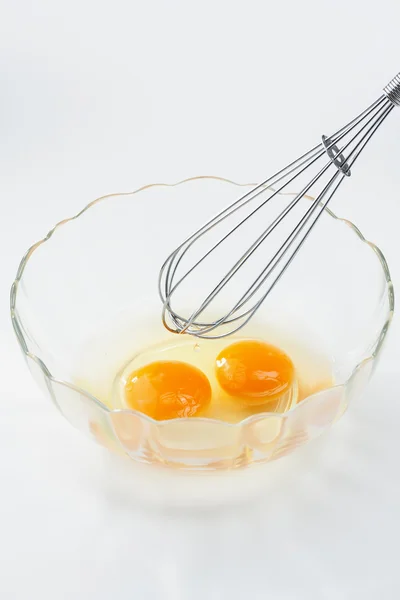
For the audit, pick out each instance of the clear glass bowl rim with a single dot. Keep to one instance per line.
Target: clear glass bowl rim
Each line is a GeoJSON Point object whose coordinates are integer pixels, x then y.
{"type": "Point", "coordinates": [19, 328]}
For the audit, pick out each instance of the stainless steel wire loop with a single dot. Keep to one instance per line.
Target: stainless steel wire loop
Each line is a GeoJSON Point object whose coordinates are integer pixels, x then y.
{"type": "Point", "coordinates": [341, 150]}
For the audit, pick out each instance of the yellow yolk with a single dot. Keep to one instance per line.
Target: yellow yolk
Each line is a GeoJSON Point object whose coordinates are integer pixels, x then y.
{"type": "Point", "coordinates": [254, 371]}
{"type": "Point", "coordinates": [167, 390]}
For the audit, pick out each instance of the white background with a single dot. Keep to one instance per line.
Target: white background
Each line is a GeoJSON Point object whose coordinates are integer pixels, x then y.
{"type": "Point", "coordinates": [99, 97]}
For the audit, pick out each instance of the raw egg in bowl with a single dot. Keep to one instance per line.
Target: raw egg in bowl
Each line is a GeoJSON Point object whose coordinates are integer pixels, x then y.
{"type": "Point", "coordinates": [86, 313]}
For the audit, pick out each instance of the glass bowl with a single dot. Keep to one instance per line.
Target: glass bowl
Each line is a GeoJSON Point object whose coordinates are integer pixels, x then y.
{"type": "Point", "coordinates": [85, 299]}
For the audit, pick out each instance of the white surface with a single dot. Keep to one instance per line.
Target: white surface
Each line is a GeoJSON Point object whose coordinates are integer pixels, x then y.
{"type": "Point", "coordinates": [98, 97]}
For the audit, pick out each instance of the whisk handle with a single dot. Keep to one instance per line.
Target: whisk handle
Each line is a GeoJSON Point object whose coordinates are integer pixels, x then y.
{"type": "Point", "coordinates": [392, 90]}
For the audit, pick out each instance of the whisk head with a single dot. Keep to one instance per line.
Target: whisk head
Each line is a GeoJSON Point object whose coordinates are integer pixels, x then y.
{"type": "Point", "coordinates": [232, 296]}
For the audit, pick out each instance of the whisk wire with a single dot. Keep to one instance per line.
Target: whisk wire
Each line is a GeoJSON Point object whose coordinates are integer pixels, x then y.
{"type": "Point", "coordinates": [185, 246]}
{"type": "Point", "coordinates": [341, 159]}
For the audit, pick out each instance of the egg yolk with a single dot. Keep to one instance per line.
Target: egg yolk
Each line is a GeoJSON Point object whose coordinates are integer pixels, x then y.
{"type": "Point", "coordinates": [167, 390]}
{"type": "Point", "coordinates": [254, 371]}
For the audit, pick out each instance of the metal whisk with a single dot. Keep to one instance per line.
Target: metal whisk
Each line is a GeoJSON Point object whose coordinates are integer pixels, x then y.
{"type": "Point", "coordinates": [341, 150]}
